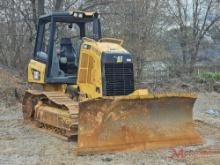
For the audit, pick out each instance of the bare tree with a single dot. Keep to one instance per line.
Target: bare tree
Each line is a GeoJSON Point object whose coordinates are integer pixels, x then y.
{"type": "Point", "coordinates": [92, 4]}
{"type": "Point", "coordinates": [194, 20]}
{"type": "Point", "coordinates": [40, 7]}
{"type": "Point", "coordinates": [138, 22]}
{"type": "Point", "coordinates": [34, 12]}
{"type": "Point", "coordinates": [58, 5]}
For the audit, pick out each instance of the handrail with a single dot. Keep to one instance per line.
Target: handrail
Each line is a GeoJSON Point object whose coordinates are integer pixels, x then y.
{"type": "Point", "coordinates": [89, 39]}
{"type": "Point", "coordinates": [114, 40]}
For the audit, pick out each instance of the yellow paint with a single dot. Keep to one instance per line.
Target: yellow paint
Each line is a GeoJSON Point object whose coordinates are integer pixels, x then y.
{"type": "Point", "coordinates": [144, 94]}
{"type": "Point", "coordinates": [79, 11]}
{"type": "Point", "coordinates": [112, 40]}
{"type": "Point", "coordinates": [89, 71]}
{"type": "Point", "coordinates": [36, 66]}
{"type": "Point", "coordinates": [89, 79]}
{"type": "Point", "coordinates": [91, 52]}
{"type": "Point", "coordinates": [55, 87]}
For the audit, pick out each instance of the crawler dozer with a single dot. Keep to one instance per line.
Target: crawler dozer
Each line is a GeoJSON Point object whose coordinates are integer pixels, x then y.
{"type": "Point", "coordinates": [87, 90]}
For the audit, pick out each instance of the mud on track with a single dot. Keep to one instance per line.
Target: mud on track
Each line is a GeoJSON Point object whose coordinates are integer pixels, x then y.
{"type": "Point", "coordinates": [22, 144]}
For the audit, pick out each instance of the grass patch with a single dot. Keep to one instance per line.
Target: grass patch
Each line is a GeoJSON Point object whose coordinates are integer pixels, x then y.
{"type": "Point", "coordinates": [209, 75]}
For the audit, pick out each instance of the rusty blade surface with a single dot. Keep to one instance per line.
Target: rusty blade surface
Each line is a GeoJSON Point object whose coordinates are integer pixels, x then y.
{"type": "Point", "coordinates": [111, 124]}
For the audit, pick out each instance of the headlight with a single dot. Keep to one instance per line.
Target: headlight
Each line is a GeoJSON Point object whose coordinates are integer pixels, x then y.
{"type": "Point", "coordinates": [80, 15]}
{"type": "Point", "coordinates": [36, 74]}
{"type": "Point", "coordinates": [75, 15]}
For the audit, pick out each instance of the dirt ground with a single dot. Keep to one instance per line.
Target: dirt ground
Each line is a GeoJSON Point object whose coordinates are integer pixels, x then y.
{"type": "Point", "coordinates": [22, 144]}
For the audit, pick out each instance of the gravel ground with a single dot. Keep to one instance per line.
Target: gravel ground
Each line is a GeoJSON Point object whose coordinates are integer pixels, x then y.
{"type": "Point", "coordinates": [22, 144]}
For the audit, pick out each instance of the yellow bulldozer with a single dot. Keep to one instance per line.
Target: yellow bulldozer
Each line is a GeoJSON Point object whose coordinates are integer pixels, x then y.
{"type": "Point", "coordinates": [87, 90]}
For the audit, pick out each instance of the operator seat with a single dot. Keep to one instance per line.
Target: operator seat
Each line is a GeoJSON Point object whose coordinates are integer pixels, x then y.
{"type": "Point", "coordinates": [67, 56]}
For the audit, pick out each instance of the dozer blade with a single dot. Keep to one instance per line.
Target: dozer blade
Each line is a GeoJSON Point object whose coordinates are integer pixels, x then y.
{"type": "Point", "coordinates": [122, 123]}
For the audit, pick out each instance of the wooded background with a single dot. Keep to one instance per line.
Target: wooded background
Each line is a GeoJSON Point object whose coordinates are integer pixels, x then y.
{"type": "Point", "coordinates": [180, 33]}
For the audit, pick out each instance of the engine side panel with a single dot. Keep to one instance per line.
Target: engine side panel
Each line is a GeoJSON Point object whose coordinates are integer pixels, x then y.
{"type": "Point", "coordinates": [89, 73]}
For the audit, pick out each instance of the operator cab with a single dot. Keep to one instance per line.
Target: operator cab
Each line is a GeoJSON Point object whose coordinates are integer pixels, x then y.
{"type": "Point", "coordinates": [67, 57]}
{"type": "Point", "coordinates": [58, 42]}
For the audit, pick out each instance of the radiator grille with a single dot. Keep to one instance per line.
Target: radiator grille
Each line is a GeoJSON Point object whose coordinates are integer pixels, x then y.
{"type": "Point", "coordinates": [119, 79]}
